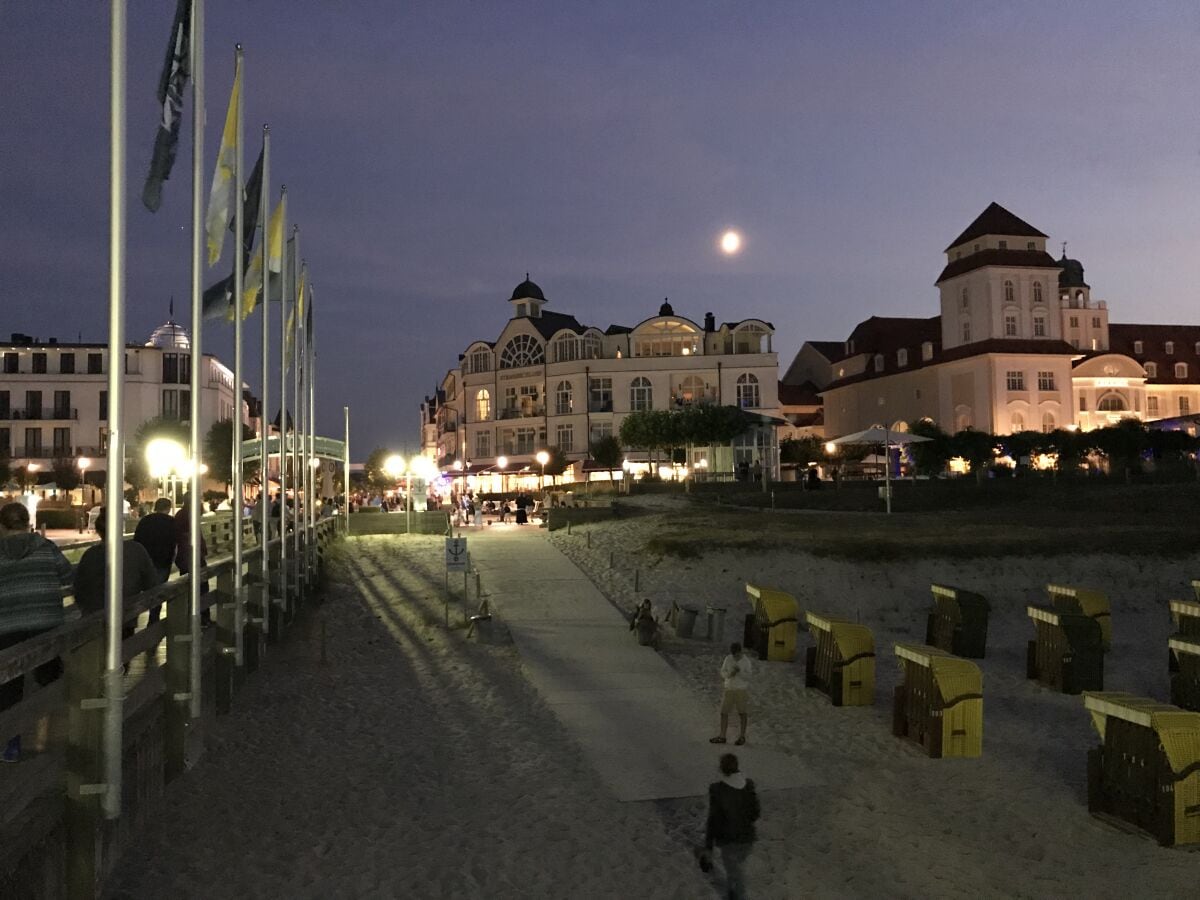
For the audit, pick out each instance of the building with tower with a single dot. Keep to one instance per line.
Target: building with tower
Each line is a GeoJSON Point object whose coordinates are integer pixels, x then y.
{"type": "Point", "coordinates": [1019, 344]}
{"type": "Point", "coordinates": [548, 380]}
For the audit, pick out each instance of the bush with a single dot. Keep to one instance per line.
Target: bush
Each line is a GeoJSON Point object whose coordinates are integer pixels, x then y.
{"type": "Point", "coordinates": [58, 518]}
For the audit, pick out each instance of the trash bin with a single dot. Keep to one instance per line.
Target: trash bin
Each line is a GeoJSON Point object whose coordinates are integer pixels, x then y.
{"type": "Point", "coordinates": [1085, 602]}
{"type": "Point", "coordinates": [1068, 653]}
{"type": "Point", "coordinates": [716, 623]}
{"type": "Point", "coordinates": [1185, 671]}
{"type": "Point", "coordinates": [842, 664]}
{"type": "Point", "coordinates": [1146, 770]}
{"type": "Point", "coordinates": [685, 621]}
{"type": "Point", "coordinates": [939, 705]}
{"type": "Point", "coordinates": [775, 623]}
{"type": "Point", "coordinates": [958, 622]}
{"type": "Point", "coordinates": [1186, 616]}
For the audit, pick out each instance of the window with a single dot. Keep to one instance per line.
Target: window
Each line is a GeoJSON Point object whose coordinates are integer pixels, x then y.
{"type": "Point", "coordinates": [599, 431]}
{"type": "Point", "coordinates": [481, 361]}
{"type": "Point", "coordinates": [747, 390]}
{"type": "Point", "coordinates": [1018, 422]}
{"type": "Point", "coordinates": [483, 406]}
{"type": "Point", "coordinates": [33, 442]}
{"type": "Point", "coordinates": [11, 363]}
{"type": "Point", "coordinates": [563, 402]}
{"type": "Point", "coordinates": [1003, 245]}
{"type": "Point", "coordinates": [522, 350]}
{"type": "Point", "coordinates": [566, 349]}
{"type": "Point", "coordinates": [170, 404]}
{"type": "Point", "coordinates": [1137, 347]}
{"type": "Point", "coordinates": [902, 357]}
{"type": "Point", "coordinates": [66, 363]}
{"type": "Point", "coordinates": [522, 309]}
{"type": "Point", "coordinates": [95, 364]}
{"type": "Point", "coordinates": [526, 438]}
{"type": "Point", "coordinates": [1095, 321]}
{"type": "Point", "coordinates": [62, 442]}
{"type": "Point", "coordinates": [1181, 370]}
{"type": "Point", "coordinates": [1151, 370]}
{"type": "Point", "coordinates": [1030, 245]}
{"type": "Point", "coordinates": [1010, 325]}
{"type": "Point", "coordinates": [104, 406]}
{"type": "Point", "coordinates": [1016, 381]}
{"type": "Point", "coordinates": [966, 332]}
{"type": "Point", "coordinates": [1075, 343]}
{"type": "Point", "coordinates": [1048, 423]}
{"type": "Point", "coordinates": [176, 368]}
{"type": "Point", "coordinates": [483, 444]}
{"type": "Point", "coordinates": [1009, 292]}
{"type": "Point", "coordinates": [641, 395]}
{"type": "Point", "coordinates": [5, 405]}
{"type": "Point", "coordinates": [966, 297]}
{"type": "Point", "coordinates": [564, 437]}
{"type": "Point", "coordinates": [1037, 292]}
{"type": "Point", "coordinates": [1198, 348]}
{"type": "Point", "coordinates": [1046, 381]}
{"type": "Point", "coordinates": [671, 337]}
{"type": "Point", "coordinates": [5, 443]}
{"type": "Point", "coordinates": [748, 338]}
{"type": "Point", "coordinates": [39, 363]}
{"type": "Point", "coordinates": [878, 362]}
{"type": "Point", "coordinates": [62, 405]}
{"type": "Point", "coordinates": [1169, 347]}
{"type": "Point", "coordinates": [1111, 403]}
{"type": "Point", "coordinates": [1074, 321]}
{"type": "Point", "coordinates": [976, 248]}
{"type": "Point", "coordinates": [1152, 406]}
{"type": "Point", "coordinates": [927, 351]}
{"type": "Point", "coordinates": [1082, 403]}
{"type": "Point", "coordinates": [691, 390]}
{"type": "Point", "coordinates": [1185, 406]}
{"type": "Point", "coordinates": [1039, 326]}
{"type": "Point", "coordinates": [600, 395]}
{"type": "Point", "coordinates": [33, 404]}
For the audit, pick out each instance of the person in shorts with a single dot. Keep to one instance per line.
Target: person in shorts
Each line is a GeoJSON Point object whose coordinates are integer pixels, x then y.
{"type": "Point", "coordinates": [735, 673]}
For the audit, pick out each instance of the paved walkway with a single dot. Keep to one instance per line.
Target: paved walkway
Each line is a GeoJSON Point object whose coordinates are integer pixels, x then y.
{"type": "Point", "coordinates": [636, 720]}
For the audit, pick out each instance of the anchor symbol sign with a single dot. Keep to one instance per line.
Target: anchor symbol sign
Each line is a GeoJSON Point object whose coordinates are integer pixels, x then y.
{"type": "Point", "coordinates": [456, 554]}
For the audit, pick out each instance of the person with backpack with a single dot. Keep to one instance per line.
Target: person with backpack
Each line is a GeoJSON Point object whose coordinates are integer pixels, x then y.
{"type": "Point", "coordinates": [732, 811]}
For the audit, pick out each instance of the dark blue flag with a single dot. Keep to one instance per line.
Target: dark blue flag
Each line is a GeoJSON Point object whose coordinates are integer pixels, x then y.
{"type": "Point", "coordinates": [176, 70]}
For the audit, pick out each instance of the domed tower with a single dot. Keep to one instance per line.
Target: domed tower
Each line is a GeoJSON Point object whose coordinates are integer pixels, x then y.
{"type": "Point", "coordinates": [1072, 289]}
{"type": "Point", "coordinates": [170, 336]}
{"type": "Point", "coordinates": [1084, 321]}
{"type": "Point", "coordinates": [527, 300]}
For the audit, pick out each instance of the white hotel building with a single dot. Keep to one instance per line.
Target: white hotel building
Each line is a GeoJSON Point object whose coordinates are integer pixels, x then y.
{"type": "Point", "coordinates": [54, 396]}
{"type": "Point", "coordinates": [548, 380]}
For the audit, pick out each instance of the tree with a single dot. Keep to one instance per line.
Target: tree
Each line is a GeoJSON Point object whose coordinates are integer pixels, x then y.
{"type": "Point", "coordinates": [977, 447]}
{"type": "Point", "coordinates": [802, 451]}
{"type": "Point", "coordinates": [66, 476]}
{"type": "Point", "coordinates": [929, 457]}
{"type": "Point", "coordinates": [377, 479]}
{"type": "Point", "coordinates": [557, 464]}
{"type": "Point", "coordinates": [607, 452]}
{"type": "Point", "coordinates": [160, 426]}
{"type": "Point", "coordinates": [218, 452]}
{"type": "Point", "coordinates": [1122, 444]}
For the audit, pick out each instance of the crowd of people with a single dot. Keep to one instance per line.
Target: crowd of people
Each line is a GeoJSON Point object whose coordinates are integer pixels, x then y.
{"type": "Point", "coordinates": [470, 508]}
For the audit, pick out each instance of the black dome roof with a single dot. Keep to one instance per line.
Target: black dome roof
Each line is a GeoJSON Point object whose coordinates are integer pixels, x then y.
{"type": "Point", "coordinates": [527, 290]}
{"type": "Point", "coordinates": [1071, 274]}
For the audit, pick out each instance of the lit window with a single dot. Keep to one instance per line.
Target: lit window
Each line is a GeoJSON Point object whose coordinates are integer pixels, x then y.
{"type": "Point", "coordinates": [1016, 381]}
{"type": "Point", "coordinates": [747, 390]}
{"type": "Point", "coordinates": [1046, 381]}
{"type": "Point", "coordinates": [483, 406]}
{"type": "Point", "coordinates": [641, 395]}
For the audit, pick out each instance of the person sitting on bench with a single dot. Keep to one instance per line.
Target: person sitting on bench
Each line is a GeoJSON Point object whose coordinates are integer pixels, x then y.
{"type": "Point", "coordinates": [646, 625]}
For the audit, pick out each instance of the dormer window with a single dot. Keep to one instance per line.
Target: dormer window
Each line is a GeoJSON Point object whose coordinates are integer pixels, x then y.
{"type": "Point", "coordinates": [976, 248]}
{"type": "Point", "coordinates": [1198, 348]}
{"type": "Point", "coordinates": [927, 351]}
{"type": "Point", "coordinates": [1003, 245]}
{"type": "Point", "coordinates": [1170, 348]}
{"type": "Point", "coordinates": [1137, 347]}
{"type": "Point", "coordinates": [1181, 370]}
{"type": "Point", "coordinates": [1151, 370]}
{"type": "Point", "coordinates": [878, 362]}
{"type": "Point", "coordinates": [902, 357]}
{"type": "Point", "coordinates": [1030, 245]}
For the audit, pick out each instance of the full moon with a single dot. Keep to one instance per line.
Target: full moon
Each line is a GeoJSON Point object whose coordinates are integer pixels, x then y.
{"type": "Point", "coordinates": [731, 243]}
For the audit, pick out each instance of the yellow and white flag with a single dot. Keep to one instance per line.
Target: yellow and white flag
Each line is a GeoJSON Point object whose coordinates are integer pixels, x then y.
{"type": "Point", "coordinates": [252, 286]}
{"type": "Point", "coordinates": [221, 197]}
{"type": "Point", "coordinates": [296, 313]}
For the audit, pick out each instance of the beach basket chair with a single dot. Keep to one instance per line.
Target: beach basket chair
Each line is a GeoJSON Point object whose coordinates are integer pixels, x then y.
{"type": "Point", "coordinates": [775, 625]}
{"type": "Point", "coordinates": [1085, 602]}
{"type": "Point", "coordinates": [958, 622]}
{"type": "Point", "coordinates": [939, 704]}
{"type": "Point", "coordinates": [842, 662]}
{"type": "Point", "coordinates": [1068, 652]}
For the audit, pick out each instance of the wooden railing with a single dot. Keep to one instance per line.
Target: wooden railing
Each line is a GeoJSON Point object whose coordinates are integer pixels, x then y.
{"type": "Point", "coordinates": [54, 838]}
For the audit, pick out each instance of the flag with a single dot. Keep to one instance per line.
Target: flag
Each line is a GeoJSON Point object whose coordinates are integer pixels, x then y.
{"type": "Point", "coordinates": [253, 282]}
{"type": "Point", "coordinates": [220, 197]}
{"type": "Point", "coordinates": [174, 78]}
{"type": "Point", "coordinates": [297, 311]}
{"type": "Point", "coordinates": [218, 299]}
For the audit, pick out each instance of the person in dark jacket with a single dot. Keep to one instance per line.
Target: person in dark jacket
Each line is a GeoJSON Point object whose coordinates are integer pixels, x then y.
{"type": "Point", "coordinates": [33, 573]}
{"type": "Point", "coordinates": [137, 573]}
{"type": "Point", "coordinates": [732, 811]}
{"type": "Point", "coordinates": [646, 625]}
{"type": "Point", "coordinates": [156, 532]}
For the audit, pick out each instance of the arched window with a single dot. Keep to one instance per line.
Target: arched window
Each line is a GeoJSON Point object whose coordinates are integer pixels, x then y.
{"type": "Point", "coordinates": [902, 357]}
{"type": "Point", "coordinates": [966, 297]}
{"type": "Point", "coordinates": [1048, 423]}
{"type": "Point", "coordinates": [566, 348]}
{"type": "Point", "coordinates": [1009, 292]}
{"type": "Point", "coordinates": [1111, 403]}
{"type": "Point", "coordinates": [962, 418]}
{"type": "Point", "coordinates": [751, 338]}
{"type": "Point", "coordinates": [483, 406]}
{"type": "Point", "coordinates": [878, 363]}
{"type": "Point", "coordinates": [747, 390]}
{"type": "Point", "coordinates": [1170, 348]}
{"type": "Point", "coordinates": [666, 337]}
{"type": "Point", "coordinates": [562, 398]}
{"type": "Point", "coordinates": [1151, 370]}
{"type": "Point", "coordinates": [1037, 292]}
{"type": "Point", "coordinates": [691, 390]}
{"type": "Point", "coordinates": [900, 427]}
{"type": "Point", "coordinates": [522, 350]}
{"type": "Point", "coordinates": [1018, 422]}
{"type": "Point", "coordinates": [641, 395]}
{"type": "Point", "coordinates": [1181, 370]}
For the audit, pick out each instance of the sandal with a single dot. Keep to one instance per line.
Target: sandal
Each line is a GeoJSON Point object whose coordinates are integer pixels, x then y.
{"type": "Point", "coordinates": [716, 740]}
{"type": "Point", "coordinates": [740, 741]}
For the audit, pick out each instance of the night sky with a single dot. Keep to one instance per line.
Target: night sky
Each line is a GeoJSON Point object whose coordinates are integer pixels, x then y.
{"type": "Point", "coordinates": [435, 152]}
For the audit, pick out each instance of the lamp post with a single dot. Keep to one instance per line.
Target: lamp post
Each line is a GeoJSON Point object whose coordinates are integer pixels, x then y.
{"type": "Point", "coordinates": [543, 457]}
{"type": "Point", "coordinates": [166, 458]}
{"type": "Point", "coordinates": [831, 451]}
{"type": "Point", "coordinates": [395, 466]}
{"type": "Point", "coordinates": [83, 464]}
{"type": "Point", "coordinates": [501, 464]}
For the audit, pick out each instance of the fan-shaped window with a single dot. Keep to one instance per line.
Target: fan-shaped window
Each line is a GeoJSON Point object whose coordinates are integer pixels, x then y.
{"type": "Point", "coordinates": [641, 395]}
{"type": "Point", "coordinates": [691, 390]}
{"type": "Point", "coordinates": [666, 337]}
{"type": "Point", "coordinates": [1048, 423]}
{"type": "Point", "coordinates": [1009, 292]}
{"type": "Point", "coordinates": [563, 401]}
{"type": "Point", "coordinates": [1111, 403]}
{"type": "Point", "coordinates": [747, 390]}
{"type": "Point", "coordinates": [522, 350]}
{"type": "Point", "coordinates": [1037, 292]}
{"type": "Point", "coordinates": [483, 406]}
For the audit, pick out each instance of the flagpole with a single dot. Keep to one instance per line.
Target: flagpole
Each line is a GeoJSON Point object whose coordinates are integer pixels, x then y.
{"type": "Point", "coordinates": [194, 536]}
{"type": "Point", "coordinates": [298, 418]}
{"type": "Point", "coordinates": [346, 466]}
{"type": "Point", "coordinates": [283, 506]}
{"type": "Point", "coordinates": [264, 478]}
{"type": "Point", "coordinates": [310, 372]}
{"type": "Point", "coordinates": [114, 484]}
{"type": "Point", "coordinates": [239, 500]}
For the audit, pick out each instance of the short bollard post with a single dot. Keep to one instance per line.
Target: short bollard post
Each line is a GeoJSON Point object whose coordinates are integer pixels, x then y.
{"type": "Point", "coordinates": [568, 526]}
{"type": "Point", "coordinates": [589, 539]}
{"type": "Point", "coordinates": [637, 578]}
{"type": "Point", "coordinates": [611, 557]}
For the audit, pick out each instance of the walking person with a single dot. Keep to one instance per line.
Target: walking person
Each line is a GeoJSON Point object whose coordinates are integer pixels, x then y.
{"type": "Point", "coordinates": [735, 672]}
{"type": "Point", "coordinates": [33, 573]}
{"type": "Point", "coordinates": [138, 572]}
{"type": "Point", "coordinates": [156, 532]}
{"type": "Point", "coordinates": [732, 811]}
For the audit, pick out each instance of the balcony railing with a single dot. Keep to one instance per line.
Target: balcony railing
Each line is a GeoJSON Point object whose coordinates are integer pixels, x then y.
{"type": "Point", "coordinates": [39, 415]}
{"type": "Point", "coordinates": [527, 412]}
{"type": "Point", "coordinates": [599, 406]}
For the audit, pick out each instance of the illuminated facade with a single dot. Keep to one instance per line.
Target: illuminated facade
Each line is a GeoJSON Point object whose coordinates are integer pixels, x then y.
{"type": "Point", "coordinates": [550, 381]}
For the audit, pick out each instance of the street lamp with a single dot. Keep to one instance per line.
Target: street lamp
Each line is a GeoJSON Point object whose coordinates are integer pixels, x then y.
{"type": "Point", "coordinates": [543, 457]}
{"type": "Point", "coordinates": [83, 462]}
{"type": "Point", "coordinates": [502, 464]}
{"type": "Point", "coordinates": [166, 458]}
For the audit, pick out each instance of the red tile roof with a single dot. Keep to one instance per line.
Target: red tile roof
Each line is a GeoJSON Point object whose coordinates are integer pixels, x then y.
{"type": "Point", "coordinates": [996, 220]}
{"type": "Point", "coordinates": [1121, 338]}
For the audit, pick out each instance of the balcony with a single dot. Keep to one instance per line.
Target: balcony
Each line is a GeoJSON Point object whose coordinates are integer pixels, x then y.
{"type": "Point", "coordinates": [600, 406]}
{"type": "Point", "coordinates": [525, 412]}
{"type": "Point", "coordinates": [60, 414]}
